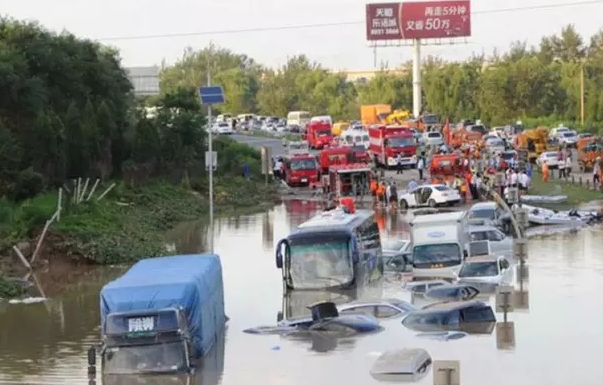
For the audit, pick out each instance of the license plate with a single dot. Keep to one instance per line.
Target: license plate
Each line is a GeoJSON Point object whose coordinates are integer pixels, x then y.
{"type": "Point", "coordinates": [304, 180]}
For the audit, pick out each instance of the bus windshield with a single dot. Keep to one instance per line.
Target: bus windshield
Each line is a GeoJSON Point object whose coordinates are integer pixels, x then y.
{"type": "Point", "coordinates": [319, 262]}
{"type": "Point", "coordinates": [425, 256]}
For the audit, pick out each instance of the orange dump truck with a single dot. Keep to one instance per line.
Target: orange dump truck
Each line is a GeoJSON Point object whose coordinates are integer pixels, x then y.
{"type": "Point", "coordinates": [374, 113]}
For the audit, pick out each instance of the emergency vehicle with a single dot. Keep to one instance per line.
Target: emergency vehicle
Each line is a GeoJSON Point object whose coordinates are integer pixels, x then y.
{"type": "Point", "coordinates": [318, 134]}
{"type": "Point", "coordinates": [300, 168]}
{"type": "Point", "coordinates": [386, 142]}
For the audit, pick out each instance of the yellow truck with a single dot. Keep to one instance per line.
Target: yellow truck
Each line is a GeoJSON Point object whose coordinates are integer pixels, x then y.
{"type": "Point", "coordinates": [374, 113]}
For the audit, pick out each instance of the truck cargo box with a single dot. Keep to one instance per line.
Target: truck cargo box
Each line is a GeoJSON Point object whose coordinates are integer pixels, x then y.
{"type": "Point", "coordinates": [192, 282]}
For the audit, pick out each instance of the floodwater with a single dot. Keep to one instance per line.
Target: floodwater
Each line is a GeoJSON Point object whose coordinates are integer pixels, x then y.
{"type": "Point", "coordinates": [559, 340]}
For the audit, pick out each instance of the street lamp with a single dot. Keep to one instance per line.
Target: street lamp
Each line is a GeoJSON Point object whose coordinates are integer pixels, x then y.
{"type": "Point", "coordinates": [582, 91]}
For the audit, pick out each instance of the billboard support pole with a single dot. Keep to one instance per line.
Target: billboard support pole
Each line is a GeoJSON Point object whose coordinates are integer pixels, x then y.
{"type": "Point", "coordinates": [416, 78]}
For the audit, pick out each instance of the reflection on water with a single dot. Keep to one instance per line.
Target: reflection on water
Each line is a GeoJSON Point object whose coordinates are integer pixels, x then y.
{"type": "Point", "coordinates": [40, 345]}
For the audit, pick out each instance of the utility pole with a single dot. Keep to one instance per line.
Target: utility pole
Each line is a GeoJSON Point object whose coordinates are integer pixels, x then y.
{"type": "Point", "coordinates": [210, 140]}
{"type": "Point", "coordinates": [582, 93]}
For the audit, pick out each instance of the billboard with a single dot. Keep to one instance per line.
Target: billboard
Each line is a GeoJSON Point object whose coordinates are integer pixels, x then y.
{"type": "Point", "coordinates": [418, 20]}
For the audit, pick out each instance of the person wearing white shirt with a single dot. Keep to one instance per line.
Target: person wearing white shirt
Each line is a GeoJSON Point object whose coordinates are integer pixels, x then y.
{"type": "Point", "coordinates": [561, 166]}
{"type": "Point", "coordinates": [513, 179]}
{"type": "Point", "coordinates": [568, 166]}
{"type": "Point", "coordinates": [277, 169]}
{"type": "Point", "coordinates": [524, 181]}
{"type": "Point", "coordinates": [421, 166]}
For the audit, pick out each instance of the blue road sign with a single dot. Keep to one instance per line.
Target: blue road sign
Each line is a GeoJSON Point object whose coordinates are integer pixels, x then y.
{"type": "Point", "coordinates": [211, 95]}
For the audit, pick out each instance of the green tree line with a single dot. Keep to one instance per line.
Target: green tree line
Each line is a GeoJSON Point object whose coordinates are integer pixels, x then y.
{"type": "Point", "coordinates": [67, 110]}
{"type": "Point", "coordinates": [538, 84]}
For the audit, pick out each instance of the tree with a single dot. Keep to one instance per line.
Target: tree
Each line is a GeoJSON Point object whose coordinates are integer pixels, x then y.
{"type": "Point", "coordinates": [50, 88]}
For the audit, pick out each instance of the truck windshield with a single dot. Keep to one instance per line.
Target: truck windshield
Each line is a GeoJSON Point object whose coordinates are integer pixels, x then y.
{"type": "Point", "coordinates": [319, 262]}
{"type": "Point", "coordinates": [424, 256]}
{"type": "Point", "coordinates": [322, 134]}
{"type": "Point", "coordinates": [135, 359]}
{"type": "Point", "coordinates": [401, 142]}
{"type": "Point", "coordinates": [303, 164]}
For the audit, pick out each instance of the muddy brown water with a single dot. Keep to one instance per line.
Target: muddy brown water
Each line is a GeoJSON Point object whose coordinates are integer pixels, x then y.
{"type": "Point", "coordinates": [559, 340]}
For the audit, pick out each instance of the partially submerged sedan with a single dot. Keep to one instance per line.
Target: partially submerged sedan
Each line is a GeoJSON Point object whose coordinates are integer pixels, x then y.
{"type": "Point", "coordinates": [388, 308]}
{"type": "Point", "coordinates": [472, 317]}
{"type": "Point", "coordinates": [489, 269]}
{"type": "Point", "coordinates": [458, 292]}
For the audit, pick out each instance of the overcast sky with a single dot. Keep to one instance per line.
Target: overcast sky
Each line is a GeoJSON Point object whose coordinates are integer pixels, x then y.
{"type": "Point", "coordinates": [338, 47]}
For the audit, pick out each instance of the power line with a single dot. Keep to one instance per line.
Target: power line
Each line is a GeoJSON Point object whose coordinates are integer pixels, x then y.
{"type": "Point", "coordinates": [334, 24]}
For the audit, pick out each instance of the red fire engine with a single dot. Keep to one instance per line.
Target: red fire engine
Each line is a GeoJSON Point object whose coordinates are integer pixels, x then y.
{"type": "Point", "coordinates": [386, 142]}
{"type": "Point", "coordinates": [300, 168]}
{"type": "Point", "coordinates": [318, 134]}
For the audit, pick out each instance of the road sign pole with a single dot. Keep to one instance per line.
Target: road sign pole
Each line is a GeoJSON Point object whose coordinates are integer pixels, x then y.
{"type": "Point", "coordinates": [209, 96]}
{"type": "Point", "coordinates": [210, 140]}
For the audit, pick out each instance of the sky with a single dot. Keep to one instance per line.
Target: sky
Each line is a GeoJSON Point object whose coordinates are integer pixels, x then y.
{"type": "Point", "coordinates": [125, 23]}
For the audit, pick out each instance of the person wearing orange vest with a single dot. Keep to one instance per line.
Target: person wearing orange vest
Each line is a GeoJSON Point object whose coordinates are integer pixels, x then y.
{"type": "Point", "coordinates": [381, 193]}
{"type": "Point", "coordinates": [373, 187]}
{"type": "Point", "coordinates": [545, 171]}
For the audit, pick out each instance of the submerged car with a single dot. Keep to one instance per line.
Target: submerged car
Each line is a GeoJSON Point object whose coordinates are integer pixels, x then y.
{"type": "Point", "coordinates": [421, 287]}
{"type": "Point", "coordinates": [456, 292]}
{"type": "Point", "coordinates": [325, 318]}
{"type": "Point", "coordinates": [397, 255]}
{"type": "Point", "coordinates": [472, 317]}
{"type": "Point", "coordinates": [489, 213]}
{"type": "Point", "coordinates": [403, 365]}
{"type": "Point", "coordinates": [388, 308]}
{"type": "Point", "coordinates": [499, 242]}
{"type": "Point", "coordinates": [495, 270]}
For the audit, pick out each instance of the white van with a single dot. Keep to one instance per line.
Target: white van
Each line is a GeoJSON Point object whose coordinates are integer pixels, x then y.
{"type": "Point", "coordinates": [223, 118]}
{"type": "Point", "coordinates": [439, 244]}
{"type": "Point", "coordinates": [323, 118]}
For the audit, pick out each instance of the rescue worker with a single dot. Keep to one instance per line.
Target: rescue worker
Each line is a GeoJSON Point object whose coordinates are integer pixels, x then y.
{"type": "Point", "coordinates": [545, 171]}
{"type": "Point", "coordinates": [373, 187]}
{"type": "Point", "coordinates": [464, 190]}
{"type": "Point", "coordinates": [381, 193]}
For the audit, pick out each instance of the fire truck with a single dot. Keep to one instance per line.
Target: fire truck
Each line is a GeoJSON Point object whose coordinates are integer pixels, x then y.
{"type": "Point", "coordinates": [386, 142]}
{"type": "Point", "coordinates": [318, 134]}
{"type": "Point", "coordinates": [300, 168]}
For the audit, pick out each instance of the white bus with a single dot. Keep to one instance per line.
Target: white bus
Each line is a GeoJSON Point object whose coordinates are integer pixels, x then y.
{"type": "Point", "coordinates": [298, 118]}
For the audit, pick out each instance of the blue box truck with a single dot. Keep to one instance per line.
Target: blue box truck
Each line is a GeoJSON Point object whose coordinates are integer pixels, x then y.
{"type": "Point", "coordinates": [161, 316]}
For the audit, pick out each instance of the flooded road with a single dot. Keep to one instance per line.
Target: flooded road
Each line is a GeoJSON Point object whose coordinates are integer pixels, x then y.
{"type": "Point", "coordinates": [558, 340]}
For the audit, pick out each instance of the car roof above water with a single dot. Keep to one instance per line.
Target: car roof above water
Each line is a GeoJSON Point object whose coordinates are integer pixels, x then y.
{"type": "Point", "coordinates": [441, 307]}
{"type": "Point", "coordinates": [484, 206]}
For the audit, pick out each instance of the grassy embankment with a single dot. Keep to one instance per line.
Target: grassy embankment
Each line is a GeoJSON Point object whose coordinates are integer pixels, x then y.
{"type": "Point", "coordinates": [128, 223]}
{"type": "Point", "coordinates": [576, 194]}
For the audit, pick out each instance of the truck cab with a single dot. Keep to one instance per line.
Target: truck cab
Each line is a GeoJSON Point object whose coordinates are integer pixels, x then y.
{"type": "Point", "coordinates": [156, 341]}
{"type": "Point", "coordinates": [386, 142]}
{"type": "Point", "coordinates": [160, 316]}
{"type": "Point", "coordinates": [318, 134]}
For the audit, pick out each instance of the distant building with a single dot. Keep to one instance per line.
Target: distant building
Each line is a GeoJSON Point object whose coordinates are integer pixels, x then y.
{"type": "Point", "coordinates": [145, 80]}
{"type": "Point", "coordinates": [363, 76]}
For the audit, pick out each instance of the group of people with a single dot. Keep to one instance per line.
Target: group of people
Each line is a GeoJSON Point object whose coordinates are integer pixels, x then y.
{"type": "Point", "coordinates": [385, 193]}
